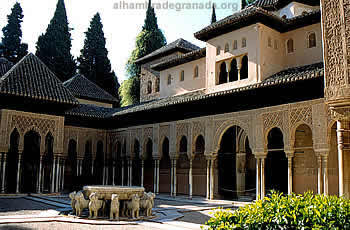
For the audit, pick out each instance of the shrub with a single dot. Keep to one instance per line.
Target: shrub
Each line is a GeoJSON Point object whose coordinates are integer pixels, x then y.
{"type": "Point", "coordinates": [306, 211]}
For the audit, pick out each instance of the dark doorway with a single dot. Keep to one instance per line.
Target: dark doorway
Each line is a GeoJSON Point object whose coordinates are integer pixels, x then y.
{"type": "Point", "coordinates": [48, 163]}
{"type": "Point", "coordinates": [164, 168]}
{"type": "Point", "coordinates": [71, 167]}
{"type": "Point", "coordinates": [136, 165]}
{"type": "Point", "coordinates": [12, 160]}
{"type": "Point", "coordinates": [148, 182]}
{"type": "Point", "coordinates": [99, 164]}
{"type": "Point", "coordinates": [199, 168]}
{"type": "Point", "coordinates": [223, 74]}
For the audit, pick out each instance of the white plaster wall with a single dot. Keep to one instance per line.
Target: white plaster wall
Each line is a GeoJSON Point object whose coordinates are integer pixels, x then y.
{"type": "Point", "coordinates": [294, 9]}
{"type": "Point", "coordinates": [189, 84]}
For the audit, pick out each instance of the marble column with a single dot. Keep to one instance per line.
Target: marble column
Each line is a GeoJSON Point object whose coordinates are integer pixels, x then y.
{"type": "Point", "coordinates": [325, 175]}
{"type": "Point", "coordinates": [103, 174]}
{"type": "Point", "coordinates": [212, 179]}
{"type": "Point", "coordinates": [175, 179]}
{"type": "Point", "coordinates": [113, 174]}
{"type": "Point", "coordinates": [172, 178]}
{"type": "Point", "coordinates": [258, 179]}
{"type": "Point", "coordinates": [53, 175]}
{"type": "Point", "coordinates": [40, 178]}
{"type": "Point", "coordinates": [57, 173]}
{"type": "Point", "coordinates": [142, 171]}
{"type": "Point", "coordinates": [319, 174]}
{"type": "Point", "coordinates": [4, 159]}
{"type": "Point", "coordinates": [123, 172]}
{"type": "Point", "coordinates": [208, 179]}
{"type": "Point", "coordinates": [262, 174]}
{"type": "Point", "coordinates": [340, 139]}
{"type": "Point", "coordinates": [130, 173]}
{"type": "Point", "coordinates": [81, 168]}
{"type": "Point", "coordinates": [290, 174]}
{"type": "Point", "coordinates": [92, 167]}
{"type": "Point", "coordinates": [63, 168]}
{"type": "Point", "coordinates": [18, 172]}
{"type": "Point", "coordinates": [190, 180]}
{"type": "Point", "coordinates": [155, 177]}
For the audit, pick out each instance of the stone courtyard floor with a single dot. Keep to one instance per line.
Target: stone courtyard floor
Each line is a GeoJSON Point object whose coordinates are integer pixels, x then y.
{"type": "Point", "coordinates": [50, 212]}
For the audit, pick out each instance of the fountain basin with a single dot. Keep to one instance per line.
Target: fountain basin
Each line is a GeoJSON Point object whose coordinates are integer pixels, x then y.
{"type": "Point", "coordinates": [105, 192]}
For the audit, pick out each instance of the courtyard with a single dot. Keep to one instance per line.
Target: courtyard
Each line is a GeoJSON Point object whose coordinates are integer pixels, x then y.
{"type": "Point", "coordinates": [52, 212]}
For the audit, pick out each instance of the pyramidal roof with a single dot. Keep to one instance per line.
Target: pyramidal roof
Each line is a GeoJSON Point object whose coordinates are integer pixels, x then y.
{"type": "Point", "coordinates": [82, 87]}
{"type": "Point", "coordinates": [31, 78]}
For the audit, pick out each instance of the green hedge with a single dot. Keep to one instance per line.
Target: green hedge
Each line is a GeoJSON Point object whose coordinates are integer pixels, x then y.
{"type": "Point", "coordinates": [306, 211]}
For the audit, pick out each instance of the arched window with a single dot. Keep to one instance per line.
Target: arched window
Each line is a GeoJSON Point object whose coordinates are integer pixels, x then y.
{"type": "Point", "coordinates": [223, 73]}
{"type": "Point", "coordinates": [182, 75]}
{"type": "Point", "coordinates": [312, 40]}
{"type": "Point", "coordinates": [235, 44]}
{"type": "Point", "coordinates": [218, 50]}
{"type": "Point", "coordinates": [157, 85]}
{"type": "Point", "coordinates": [149, 87]}
{"type": "Point", "coordinates": [244, 42]}
{"type": "Point", "coordinates": [234, 71]}
{"type": "Point", "coordinates": [290, 46]}
{"type": "Point", "coordinates": [275, 44]}
{"type": "Point", "coordinates": [196, 72]}
{"type": "Point", "coordinates": [227, 48]}
{"type": "Point", "coordinates": [284, 16]}
{"type": "Point", "coordinates": [269, 42]}
{"type": "Point", "coordinates": [169, 79]}
{"type": "Point", "coordinates": [244, 68]}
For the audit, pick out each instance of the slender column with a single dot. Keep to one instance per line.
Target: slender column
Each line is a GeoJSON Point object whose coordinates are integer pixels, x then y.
{"type": "Point", "coordinates": [103, 174]}
{"type": "Point", "coordinates": [212, 180]}
{"type": "Point", "coordinates": [81, 168]}
{"type": "Point", "coordinates": [57, 173]}
{"type": "Point", "coordinates": [258, 179]}
{"type": "Point", "coordinates": [4, 158]}
{"type": "Point", "coordinates": [92, 167]}
{"type": "Point", "coordinates": [123, 171]}
{"type": "Point", "coordinates": [340, 138]}
{"type": "Point", "coordinates": [290, 174]}
{"type": "Point", "coordinates": [63, 168]}
{"type": "Point", "coordinates": [18, 172]}
{"type": "Point", "coordinates": [175, 179]}
{"type": "Point", "coordinates": [53, 175]}
{"type": "Point", "coordinates": [113, 176]}
{"type": "Point", "coordinates": [142, 171]}
{"type": "Point", "coordinates": [172, 178]}
{"type": "Point", "coordinates": [262, 174]}
{"type": "Point", "coordinates": [39, 178]}
{"type": "Point", "coordinates": [319, 174]}
{"type": "Point", "coordinates": [190, 178]}
{"type": "Point", "coordinates": [208, 179]}
{"type": "Point", "coordinates": [155, 177]}
{"type": "Point", "coordinates": [130, 172]}
{"type": "Point", "coordinates": [78, 166]}
{"type": "Point", "coordinates": [325, 175]}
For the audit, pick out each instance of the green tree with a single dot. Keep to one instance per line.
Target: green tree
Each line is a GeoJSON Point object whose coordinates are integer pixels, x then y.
{"type": "Point", "coordinates": [213, 15]}
{"type": "Point", "coordinates": [54, 47]}
{"type": "Point", "coordinates": [93, 60]}
{"type": "Point", "coordinates": [13, 48]}
{"type": "Point", "coordinates": [148, 40]}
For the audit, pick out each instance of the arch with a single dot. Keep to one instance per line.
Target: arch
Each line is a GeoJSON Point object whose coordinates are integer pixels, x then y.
{"type": "Point", "coordinates": [182, 171]}
{"type": "Point", "coordinates": [223, 73]}
{"type": "Point", "coordinates": [148, 164]}
{"type": "Point", "coordinates": [149, 87]}
{"type": "Point", "coordinates": [304, 160]}
{"type": "Point", "coordinates": [136, 164]}
{"type": "Point", "coordinates": [244, 42]}
{"type": "Point", "coordinates": [311, 40]}
{"type": "Point", "coordinates": [164, 168]}
{"type": "Point", "coordinates": [12, 159]}
{"type": "Point", "coordinates": [233, 76]}
{"type": "Point", "coordinates": [157, 85]}
{"type": "Point", "coordinates": [232, 165]}
{"type": "Point", "coordinates": [183, 145]}
{"type": "Point", "coordinates": [169, 79]}
{"type": "Point", "coordinates": [218, 50]}
{"type": "Point", "coordinates": [290, 45]}
{"type": "Point", "coordinates": [269, 42]}
{"type": "Point", "coordinates": [196, 71]}
{"type": "Point", "coordinates": [227, 47]}
{"type": "Point", "coordinates": [87, 163]}
{"type": "Point", "coordinates": [244, 68]}
{"type": "Point", "coordinates": [276, 166]}
{"type": "Point", "coordinates": [235, 44]}
{"type": "Point", "coordinates": [70, 169]}
{"type": "Point", "coordinates": [30, 162]}
{"type": "Point", "coordinates": [199, 168]}
{"type": "Point", "coordinates": [182, 75]}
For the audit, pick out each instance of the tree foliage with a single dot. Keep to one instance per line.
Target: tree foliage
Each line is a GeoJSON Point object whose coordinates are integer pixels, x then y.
{"type": "Point", "coordinates": [94, 62]}
{"type": "Point", "coordinates": [213, 15]}
{"type": "Point", "coordinates": [13, 49]}
{"type": "Point", "coordinates": [54, 47]}
{"type": "Point", "coordinates": [148, 40]}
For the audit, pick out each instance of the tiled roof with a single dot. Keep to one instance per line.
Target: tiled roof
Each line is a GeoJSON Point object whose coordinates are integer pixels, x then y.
{"type": "Point", "coordinates": [284, 77]}
{"type": "Point", "coordinates": [252, 15]}
{"type": "Point", "coordinates": [278, 4]}
{"type": "Point", "coordinates": [178, 45]}
{"type": "Point", "coordinates": [194, 55]}
{"type": "Point", "coordinates": [5, 66]}
{"type": "Point", "coordinates": [83, 88]}
{"type": "Point", "coordinates": [31, 78]}
{"type": "Point", "coordinates": [90, 111]}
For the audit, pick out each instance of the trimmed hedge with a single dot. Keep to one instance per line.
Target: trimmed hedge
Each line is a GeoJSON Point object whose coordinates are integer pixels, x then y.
{"type": "Point", "coordinates": [306, 211]}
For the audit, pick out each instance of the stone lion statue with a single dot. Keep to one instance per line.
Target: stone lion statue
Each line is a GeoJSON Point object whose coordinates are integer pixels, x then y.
{"type": "Point", "coordinates": [95, 205]}
{"type": "Point", "coordinates": [72, 201]}
{"type": "Point", "coordinates": [147, 203]}
{"type": "Point", "coordinates": [114, 212]}
{"type": "Point", "coordinates": [132, 208]}
{"type": "Point", "coordinates": [80, 203]}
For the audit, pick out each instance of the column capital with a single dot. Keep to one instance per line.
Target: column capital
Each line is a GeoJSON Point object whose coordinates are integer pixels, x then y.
{"type": "Point", "coordinates": [324, 152]}
{"type": "Point", "coordinates": [260, 155]}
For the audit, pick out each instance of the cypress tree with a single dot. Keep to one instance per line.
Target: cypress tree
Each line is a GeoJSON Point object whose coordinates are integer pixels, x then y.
{"type": "Point", "coordinates": [13, 48]}
{"type": "Point", "coordinates": [93, 60]}
{"type": "Point", "coordinates": [54, 47]}
{"type": "Point", "coordinates": [148, 40]}
{"type": "Point", "coordinates": [213, 15]}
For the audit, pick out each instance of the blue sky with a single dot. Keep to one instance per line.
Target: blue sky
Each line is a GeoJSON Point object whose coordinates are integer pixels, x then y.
{"type": "Point", "coordinates": [121, 26]}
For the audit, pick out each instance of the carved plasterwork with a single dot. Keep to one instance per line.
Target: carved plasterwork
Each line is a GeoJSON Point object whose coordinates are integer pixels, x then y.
{"type": "Point", "coordinates": [26, 123]}
{"type": "Point", "coordinates": [301, 114]}
{"type": "Point", "coordinates": [182, 130]}
{"type": "Point", "coordinates": [198, 129]}
{"type": "Point", "coordinates": [164, 131]}
{"type": "Point", "coordinates": [147, 133]}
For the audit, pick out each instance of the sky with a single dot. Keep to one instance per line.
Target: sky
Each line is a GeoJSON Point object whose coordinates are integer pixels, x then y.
{"type": "Point", "coordinates": [121, 21]}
